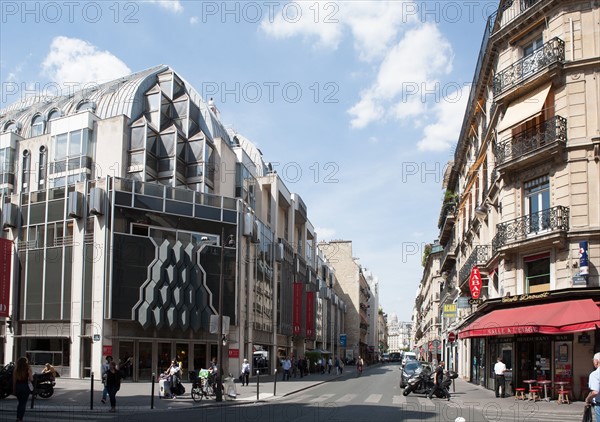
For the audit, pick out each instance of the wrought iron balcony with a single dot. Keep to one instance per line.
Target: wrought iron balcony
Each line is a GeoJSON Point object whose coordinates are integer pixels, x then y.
{"type": "Point", "coordinates": [551, 52]}
{"type": "Point", "coordinates": [449, 255]}
{"type": "Point", "coordinates": [553, 130]}
{"type": "Point", "coordinates": [479, 256]}
{"type": "Point", "coordinates": [550, 220]}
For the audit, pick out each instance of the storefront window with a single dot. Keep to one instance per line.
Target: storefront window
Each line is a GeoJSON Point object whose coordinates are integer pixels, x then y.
{"type": "Point", "coordinates": [563, 359]}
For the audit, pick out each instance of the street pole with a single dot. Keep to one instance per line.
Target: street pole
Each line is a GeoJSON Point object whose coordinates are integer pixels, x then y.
{"type": "Point", "coordinates": [219, 392]}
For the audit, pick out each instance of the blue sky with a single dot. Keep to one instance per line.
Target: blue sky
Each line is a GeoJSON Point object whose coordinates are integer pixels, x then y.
{"type": "Point", "coordinates": [357, 104]}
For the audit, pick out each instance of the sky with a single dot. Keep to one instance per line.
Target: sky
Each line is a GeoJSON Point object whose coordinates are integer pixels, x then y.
{"type": "Point", "coordinates": [357, 104]}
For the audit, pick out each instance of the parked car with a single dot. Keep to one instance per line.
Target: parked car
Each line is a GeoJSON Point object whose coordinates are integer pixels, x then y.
{"type": "Point", "coordinates": [408, 356]}
{"type": "Point", "coordinates": [394, 357]}
{"type": "Point", "coordinates": [412, 367]}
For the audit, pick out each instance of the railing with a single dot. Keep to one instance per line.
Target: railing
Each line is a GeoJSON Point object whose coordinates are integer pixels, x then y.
{"type": "Point", "coordinates": [548, 220]}
{"type": "Point", "coordinates": [551, 52]}
{"type": "Point", "coordinates": [448, 208]}
{"type": "Point", "coordinates": [512, 10]}
{"type": "Point", "coordinates": [479, 256]}
{"type": "Point", "coordinates": [552, 130]}
{"type": "Point", "coordinates": [449, 248]}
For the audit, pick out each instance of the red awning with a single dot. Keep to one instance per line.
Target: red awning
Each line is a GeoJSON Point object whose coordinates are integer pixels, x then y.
{"type": "Point", "coordinates": [550, 318]}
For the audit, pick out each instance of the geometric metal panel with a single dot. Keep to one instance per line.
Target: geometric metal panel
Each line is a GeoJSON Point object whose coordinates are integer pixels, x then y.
{"type": "Point", "coordinates": [174, 294]}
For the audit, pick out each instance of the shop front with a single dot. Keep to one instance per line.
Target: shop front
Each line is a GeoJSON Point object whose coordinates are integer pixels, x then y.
{"type": "Point", "coordinates": [549, 341]}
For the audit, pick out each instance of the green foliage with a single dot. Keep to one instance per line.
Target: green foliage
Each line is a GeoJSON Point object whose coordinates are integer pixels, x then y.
{"type": "Point", "coordinates": [426, 253]}
{"type": "Point", "coordinates": [450, 196]}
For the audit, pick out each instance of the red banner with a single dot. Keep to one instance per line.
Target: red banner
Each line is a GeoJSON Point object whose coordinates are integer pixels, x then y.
{"type": "Point", "coordinates": [5, 266]}
{"type": "Point", "coordinates": [234, 353]}
{"type": "Point", "coordinates": [297, 310]}
{"type": "Point", "coordinates": [475, 283]}
{"type": "Point", "coordinates": [107, 351]}
{"type": "Point", "coordinates": [310, 314]}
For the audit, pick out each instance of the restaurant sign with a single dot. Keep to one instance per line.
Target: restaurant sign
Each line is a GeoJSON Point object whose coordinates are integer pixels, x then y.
{"type": "Point", "coordinates": [525, 297]}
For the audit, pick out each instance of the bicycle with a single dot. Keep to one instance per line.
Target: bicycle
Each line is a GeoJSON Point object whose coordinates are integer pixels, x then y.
{"type": "Point", "coordinates": [201, 385]}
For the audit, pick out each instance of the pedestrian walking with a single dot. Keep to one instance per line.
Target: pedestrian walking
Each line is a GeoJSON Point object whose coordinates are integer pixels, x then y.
{"type": "Point", "coordinates": [113, 384]}
{"type": "Point", "coordinates": [499, 370]}
{"type": "Point", "coordinates": [437, 379]}
{"type": "Point", "coordinates": [593, 398]}
{"type": "Point", "coordinates": [245, 372]}
{"type": "Point", "coordinates": [287, 365]}
{"type": "Point", "coordinates": [337, 365]}
{"type": "Point", "coordinates": [329, 365]}
{"type": "Point", "coordinates": [105, 367]}
{"type": "Point", "coordinates": [22, 385]}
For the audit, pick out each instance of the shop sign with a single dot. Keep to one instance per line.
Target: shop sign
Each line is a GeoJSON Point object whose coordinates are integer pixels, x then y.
{"type": "Point", "coordinates": [5, 272]}
{"type": "Point", "coordinates": [579, 280]}
{"type": "Point", "coordinates": [475, 283]}
{"type": "Point", "coordinates": [234, 353]}
{"type": "Point", "coordinates": [525, 297]}
{"type": "Point", "coordinates": [583, 258]}
{"type": "Point", "coordinates": [583, 338]}
{"type": "Point", "coordinates": [475, 302]}
{"type": "Point", "coordinates": [342, 340]}
{"type": "Point", "coordinates": [450, 310]}
{"type": "Point", "coordinates": [107, 351]}
{"type": "Point", "coordinates": [463, 302]}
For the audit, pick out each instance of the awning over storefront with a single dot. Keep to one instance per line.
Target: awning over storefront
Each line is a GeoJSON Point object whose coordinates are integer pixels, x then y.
{"type": "Point", "coordinates": [550, 318]}
{"type": "Point", "coordinates": [524, 109]}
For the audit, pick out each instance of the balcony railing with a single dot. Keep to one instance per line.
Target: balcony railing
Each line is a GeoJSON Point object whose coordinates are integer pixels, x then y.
{"type": "Point", "coordinates": [543, 134]}
{"type": "Point", "coordinates": [479, 256]}
{"type": "Point", "coordinates": [553, 219]}
{"type": "Point", "coordinates": [551, 52]}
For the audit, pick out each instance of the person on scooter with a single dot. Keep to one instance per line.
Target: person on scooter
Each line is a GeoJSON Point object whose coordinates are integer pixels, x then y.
{"type": "Point", "coordinates": [359, 365]}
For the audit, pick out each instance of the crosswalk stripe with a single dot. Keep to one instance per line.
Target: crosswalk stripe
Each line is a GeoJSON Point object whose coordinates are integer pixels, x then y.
{"type": "Point", "coordinates": [398, 399]}
{"type": "Point", "coordinates": [346, 399]}
{"type": "Point", "coordinates": [303, 397]}
{"type": "Point", "coordinates": [322, 398]}
{"type": "Point", "coordinates": [373, 398]}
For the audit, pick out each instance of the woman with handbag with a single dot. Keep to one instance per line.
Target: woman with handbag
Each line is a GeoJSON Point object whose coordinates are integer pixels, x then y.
{"type": "Point", "coordinates": [22, 385]}
{"type": "Point", "coordinates": [245, 375]}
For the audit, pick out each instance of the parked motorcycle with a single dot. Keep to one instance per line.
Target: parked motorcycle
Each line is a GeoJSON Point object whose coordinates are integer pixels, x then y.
{"type": "Point", "coordinates": [43, 385]}
{"type": "Point", "coordinates": [419, 383]}
{"type": "Point", "coordinates": [6, 374]}
{"type": "Point", "coordinates": [422, 383]}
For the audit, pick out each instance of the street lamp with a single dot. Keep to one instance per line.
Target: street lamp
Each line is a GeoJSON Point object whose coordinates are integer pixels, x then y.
{"type": "Point", "coordinates": [222, 341]}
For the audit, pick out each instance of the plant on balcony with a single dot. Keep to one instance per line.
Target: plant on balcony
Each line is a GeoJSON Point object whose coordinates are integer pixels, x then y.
{"type": "Point", "coordinates": [450, 196]}
{"type": "Point", "coordinates": [426, 254]}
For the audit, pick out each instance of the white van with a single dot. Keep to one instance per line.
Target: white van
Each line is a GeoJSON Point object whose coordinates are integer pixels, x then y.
{"type": "Point", "coordinates": [408, 356]}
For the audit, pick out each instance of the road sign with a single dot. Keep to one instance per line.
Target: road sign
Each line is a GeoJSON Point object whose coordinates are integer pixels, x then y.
{"type": "Point", "coordinates": [475, 283]}
{"type": "Point", "coordinates": [451, 336]}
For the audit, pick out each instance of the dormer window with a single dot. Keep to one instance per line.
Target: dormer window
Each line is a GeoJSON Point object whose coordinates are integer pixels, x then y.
{"type": "Point", "coordinates": [37, 125]}
{"type": "Point", "coordinates": [12, 126]}
{"type": "Point", "coordinates": [86, 105]}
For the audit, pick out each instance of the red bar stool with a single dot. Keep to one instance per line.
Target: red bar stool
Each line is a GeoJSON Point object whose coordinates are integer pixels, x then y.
{"type": "Point", "coordinates": [520, 394]}
{"type": "Point", "coordinates": [534, 393]}
{"type": "Point", "coordinates": [563, 396]}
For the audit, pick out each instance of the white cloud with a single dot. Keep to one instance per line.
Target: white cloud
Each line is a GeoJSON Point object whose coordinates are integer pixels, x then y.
{"type": "Point", "coordinates": [449, 113]}
{"type": "Point", "coordinates": [374, 25]}
{"type": "Point", "coordinates": [308, 20]}
{"type": "Point", "coordinates": [72, 60]}
{"type": "Point", "coordinates": [170, 5]}
{"type": "Point", "coordinates": [325, 233]}
{"type": "Point", "coordinates": [194, 20]}
{"type": "Point", "coordinates": [409, 71]}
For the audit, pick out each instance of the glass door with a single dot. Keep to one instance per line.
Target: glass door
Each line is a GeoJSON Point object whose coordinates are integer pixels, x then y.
{"type": "Point", "coordinates": [144, 361]}
{"type": "Point", "coordinates": [125, 359]}
{"type": "Point", "coordinates": [537, 194]}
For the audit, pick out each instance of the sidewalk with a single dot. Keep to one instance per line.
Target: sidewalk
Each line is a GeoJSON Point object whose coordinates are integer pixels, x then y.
{"type": "Point", "coordinates": [73, 395]}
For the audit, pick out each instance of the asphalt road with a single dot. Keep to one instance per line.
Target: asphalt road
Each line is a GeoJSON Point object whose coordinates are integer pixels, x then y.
{"type": "Point", "coordinates": [374, 396]}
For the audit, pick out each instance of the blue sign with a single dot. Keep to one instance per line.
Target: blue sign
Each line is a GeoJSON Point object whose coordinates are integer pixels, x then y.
{"type": "Point", "coordinates": [342, 340]}
{"type": "Point", "coordinates": [583, 258]}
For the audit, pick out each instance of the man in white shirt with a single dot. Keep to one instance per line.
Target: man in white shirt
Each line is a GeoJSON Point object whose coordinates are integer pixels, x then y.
{"type": "Point", "coordinates": [287, 365]}
{"type": "Point", "coordinates": [594, 386]}
{"type": "Point", "coordinates": [499, 369]}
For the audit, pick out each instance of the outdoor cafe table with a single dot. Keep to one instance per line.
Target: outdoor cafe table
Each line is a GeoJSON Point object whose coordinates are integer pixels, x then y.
{"type": "Point", "coordinates": [529, 384]}
{"type": "Point", "coordinates": [545, 383]}
{"type": "Point", "coordinates": [560, 385]}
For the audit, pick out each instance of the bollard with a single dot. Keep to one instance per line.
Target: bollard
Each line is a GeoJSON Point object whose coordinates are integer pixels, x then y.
{"type": "Point", "coordinates": [275, 384]}
{"type": "Point", "coordinates": [33, 392]}
{"type": "Point", "coordinates": [152, 399]}
{"type": "Point", "coordinates": [257, 384]}
{"type": "Point", "coordinates": [92, 390]}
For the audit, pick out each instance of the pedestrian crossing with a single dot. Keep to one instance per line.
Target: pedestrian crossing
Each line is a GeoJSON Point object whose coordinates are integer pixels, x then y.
{"type": "Point", "coordinates": [398, 400]}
